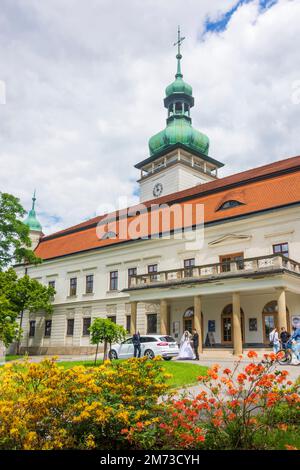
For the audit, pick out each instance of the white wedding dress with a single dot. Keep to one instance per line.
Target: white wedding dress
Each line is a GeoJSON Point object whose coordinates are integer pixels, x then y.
{"type": "Point", "coordinates": [186, 351]}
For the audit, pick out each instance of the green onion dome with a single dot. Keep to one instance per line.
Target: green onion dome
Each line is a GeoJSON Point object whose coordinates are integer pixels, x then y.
{"type": "Point", "coordinates": [179, 86]}
{"type": "Point", "coordinates": [179, 131]}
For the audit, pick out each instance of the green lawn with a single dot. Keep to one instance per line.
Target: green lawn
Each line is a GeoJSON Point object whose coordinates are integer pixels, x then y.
{"type": "Point", "coordinates": [12, 357]}
{"type": "Point", "coordinates": [183, 373]}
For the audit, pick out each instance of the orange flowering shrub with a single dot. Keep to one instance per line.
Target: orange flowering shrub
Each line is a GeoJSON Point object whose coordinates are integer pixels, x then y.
{"type": "Point", "coordinates": [232, 408]}
{"type": "Point", "coordinates": [43, 406]}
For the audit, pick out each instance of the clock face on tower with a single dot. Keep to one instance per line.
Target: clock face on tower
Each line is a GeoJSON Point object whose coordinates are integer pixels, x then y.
{"type": "Point", "coordinates": [158, 189]}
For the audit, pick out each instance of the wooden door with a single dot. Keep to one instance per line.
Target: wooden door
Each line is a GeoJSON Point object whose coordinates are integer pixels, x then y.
{"type": "Point", "coordinates": [269, 323]}
{"type": "Point", "coordinates": [227, 336]}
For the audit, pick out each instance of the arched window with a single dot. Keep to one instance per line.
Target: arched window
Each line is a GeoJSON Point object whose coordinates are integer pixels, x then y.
{"type": "Point", "coordinates": [189, 312]}
{"type": "Point", "coordinates": [271, 307]}
{"type": "Point", "coordinates": [229, 204]}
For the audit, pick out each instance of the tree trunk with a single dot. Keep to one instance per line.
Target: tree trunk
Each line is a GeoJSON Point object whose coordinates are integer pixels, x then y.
{"type": "Point", "coordinates": [105, 350]}
{"type": "Point", "coordinates": [19, 334]}
{"type": "Point", "coordinates": [96, 353]}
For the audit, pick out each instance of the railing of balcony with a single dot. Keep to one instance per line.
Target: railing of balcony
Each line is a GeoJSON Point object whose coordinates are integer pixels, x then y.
{"type": "Point", "coordinates": [173, 159]}
{"type": "Point", "coordinates": [246, 265]}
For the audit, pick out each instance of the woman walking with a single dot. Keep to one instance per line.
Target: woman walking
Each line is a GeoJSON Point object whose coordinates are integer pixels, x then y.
{"type": "Point", "coordinates": [274, 340]}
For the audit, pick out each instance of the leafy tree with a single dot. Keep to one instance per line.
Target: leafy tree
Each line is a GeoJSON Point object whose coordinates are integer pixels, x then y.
{"type": "Point", "coordinates": [9, 329]}
{"type": "Point", "coordinates": [105, 331]}
{"type": "Point", "coordinates": [15, 242]}
{"type": "Point", "coordinates": [24, 294]}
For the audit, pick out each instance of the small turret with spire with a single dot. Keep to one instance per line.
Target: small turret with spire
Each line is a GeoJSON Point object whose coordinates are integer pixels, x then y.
{"type": "Point", "coordinates": [34, 225]}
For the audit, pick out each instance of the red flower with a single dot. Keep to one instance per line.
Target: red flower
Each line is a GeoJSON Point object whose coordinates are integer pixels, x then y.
{"type": "Point", "coordinates": [252, 354]}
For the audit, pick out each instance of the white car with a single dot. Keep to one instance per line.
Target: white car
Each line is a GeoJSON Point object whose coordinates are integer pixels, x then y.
{"type": "Point", "coordinates": [151, 346]}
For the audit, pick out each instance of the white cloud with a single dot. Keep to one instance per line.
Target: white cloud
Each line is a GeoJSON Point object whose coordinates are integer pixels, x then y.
{"type": "Point", "coordinates": [85, 84]}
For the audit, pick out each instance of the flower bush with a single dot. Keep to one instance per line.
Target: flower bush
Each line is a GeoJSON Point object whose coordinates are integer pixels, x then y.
{"type": "Point", "coordinates": [43, 406]}
{"type": "Point", "coordinates": [234, 410]}
{"type": "Point", "coordinates": [124, 405]}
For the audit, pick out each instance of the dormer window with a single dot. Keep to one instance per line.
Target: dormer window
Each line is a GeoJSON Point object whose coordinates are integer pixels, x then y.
{"type": "Point", "coordinates": [229, 204]}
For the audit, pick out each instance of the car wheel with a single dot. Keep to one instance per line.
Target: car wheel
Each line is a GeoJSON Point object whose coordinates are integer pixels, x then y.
{"type": "Point", "coordinates": [113, 354]}
{"type": "Point", "coordinates": [167, 358]}
{"type": "Point", "coordinates": [149, 353]}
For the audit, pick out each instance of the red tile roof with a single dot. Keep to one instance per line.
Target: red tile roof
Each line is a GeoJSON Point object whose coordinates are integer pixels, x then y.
{"type": "Point", "coordinates": [262, 188]}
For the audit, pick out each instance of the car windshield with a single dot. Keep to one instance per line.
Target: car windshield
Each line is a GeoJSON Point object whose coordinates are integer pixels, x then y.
{"type": "Point", "coordinates": [168, 339]}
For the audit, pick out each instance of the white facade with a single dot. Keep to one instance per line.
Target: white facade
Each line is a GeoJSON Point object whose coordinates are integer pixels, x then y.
{"type": "Point", "coordinates": [254, 236]}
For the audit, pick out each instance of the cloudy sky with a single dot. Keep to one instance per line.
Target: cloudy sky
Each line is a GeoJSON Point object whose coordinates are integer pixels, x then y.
{"type": "Point", "coordinates": [85, 82]}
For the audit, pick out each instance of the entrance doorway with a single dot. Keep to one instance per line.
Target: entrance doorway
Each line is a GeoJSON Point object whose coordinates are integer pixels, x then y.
{"type": "Point", "coordinates": [227, 325]}
{"type": "Point", "coordinates": [188, 321]}
{"type": "Point", "coordinates": [270, 319]}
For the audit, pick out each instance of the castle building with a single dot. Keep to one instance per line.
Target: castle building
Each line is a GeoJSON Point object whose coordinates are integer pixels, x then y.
{"type": "Point", "coordinates": [234, 286]}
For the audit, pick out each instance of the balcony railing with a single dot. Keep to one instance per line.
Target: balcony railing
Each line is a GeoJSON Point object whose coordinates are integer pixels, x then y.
{"type": "Point", "coordinates": [261, 264]}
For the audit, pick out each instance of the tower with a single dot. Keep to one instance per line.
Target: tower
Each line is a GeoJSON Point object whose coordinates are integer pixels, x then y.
{"type": "Point", "coordinates": [34, 225]}
{"type": "Point", "coordinates": [178, 154]}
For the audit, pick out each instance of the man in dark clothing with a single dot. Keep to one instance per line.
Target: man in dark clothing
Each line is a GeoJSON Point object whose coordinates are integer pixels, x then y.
{"type": "Point", "coordinates": [284, 337]}
{"type": "Point", "coordinates": [136, 341]}
{"type": "Point", "coordinates": [195, 339]}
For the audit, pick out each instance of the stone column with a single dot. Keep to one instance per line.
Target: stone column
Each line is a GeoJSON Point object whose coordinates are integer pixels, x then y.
{"type": "Point", "coordinates": [282, 309]}
{"type": "Point", "coordinates": [163, 317]}
{"type": "Point", "coordinates": [133, 306]}
{"type": "Point", "coordinates": [197, 320]}
{"type": "Point", "coordinates": [237, 332]}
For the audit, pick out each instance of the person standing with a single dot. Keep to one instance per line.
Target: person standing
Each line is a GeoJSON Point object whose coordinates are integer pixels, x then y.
{"type": "Point", "coordinates": [195, 339]}
{"type": "Point", "coordinates": [274, 340]}
{"type": "Point", "coordinates": [296, 342]}
{"type": "Point", "coordinates": [284, 337]}
{"type": "Point", "coordinates": [136, 341]}
{"type": "Point", "coordinates": [186, 350]}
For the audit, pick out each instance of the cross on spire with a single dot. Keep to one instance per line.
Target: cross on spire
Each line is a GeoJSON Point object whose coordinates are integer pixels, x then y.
{"type": "Point", "coordinates": [178, 43]}
{"type": "Point", "coordinates": [180, 40]}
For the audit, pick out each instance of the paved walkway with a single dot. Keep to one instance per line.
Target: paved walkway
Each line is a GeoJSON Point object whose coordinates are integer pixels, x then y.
{"type": "Point", "coordinates": [293, 370]}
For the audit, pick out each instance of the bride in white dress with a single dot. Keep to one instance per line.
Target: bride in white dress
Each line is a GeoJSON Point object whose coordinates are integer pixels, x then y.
{"type": "Point", "coordinates": [186, 351]}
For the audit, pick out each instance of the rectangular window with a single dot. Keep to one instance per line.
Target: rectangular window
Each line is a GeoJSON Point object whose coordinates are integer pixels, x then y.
{"type": "Point", "coordinates": [48, 326]}
{"type": "Point", "coordinates": [128, 323]}
{"type": "Point", "coordinates": [70, 326]}
{"type": "Point", "coordinates": [51, 284]}
{"type": "Point", "coordinates": [31, 328]}
{"type": "Point", "coordinates": [226, 261]}
{"type": "Point", "coordinates": [85, 326]}
{"type": "Point", "coordinates": [152, 269]}
{"type": "Point", "coordinates": [151, 323]}
{"type": "Point", "coordinates": [113, 318]}
{"type": "Point", "coordinates": [113, 280]}
{"type": "Point", "coordinates": [188, 267]}
{"type": "Point", "coordinates": [282, 249]}
{"type": "Point", "coordinates": [89, 284]}
{"type": "Point", "coordinates": [73, 286]}
{"type": "Point", "coordinates": [131, 272]}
